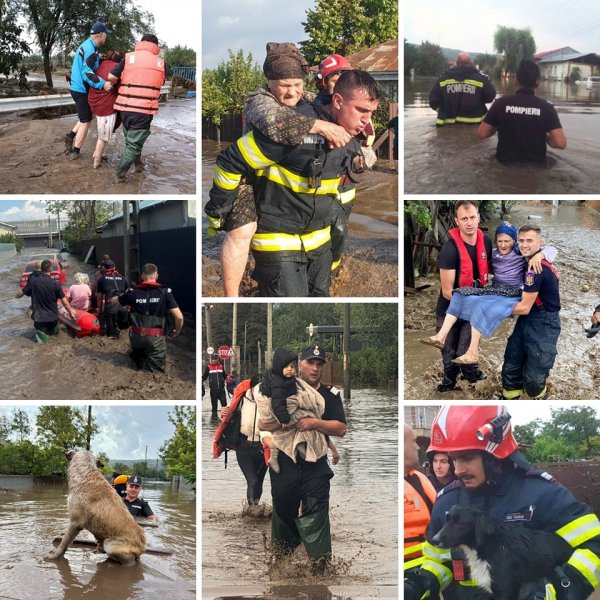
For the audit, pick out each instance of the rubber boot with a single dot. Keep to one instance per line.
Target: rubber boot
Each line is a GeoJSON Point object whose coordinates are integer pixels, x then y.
{"type": "Point", "coordinates": [284, 539]}
{"type": "Point", "coordinates": [448, 384]}
{"type": "Point", "coordinates": [315, 532]}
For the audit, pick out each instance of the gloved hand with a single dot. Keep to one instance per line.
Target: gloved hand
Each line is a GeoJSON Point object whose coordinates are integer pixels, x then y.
{"type": "Point", "coordinates": [419, 585]}
{"type": "Point", "coordinates": [214, 225]}
{"type": "Point", "coordinates": [537, 590]}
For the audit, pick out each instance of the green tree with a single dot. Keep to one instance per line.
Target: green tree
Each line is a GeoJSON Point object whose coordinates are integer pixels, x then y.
{"type": "Point", "coordinates": [12, 47]}
{"type": "Point", "coordinates": [179, 452]}
{"type": "Point", "coordinates": [526, 434]}
{"type": "Point", "coordinates": [11, 238]}
{"type": "Point", "coordinates": [486, 62]}
{"type": "Point", "coordinates": [84, 216]}
{"type": "Point", "coordinates": [514, 45]}
{"type": "Point", "coordinates": [121, 468]}
{"type": "Point", "coordinates": [348, 26]}
{"type": "Point", "coordinates": [430, 59]}
{"type": "Point", "coordinates": [547, 448]}
{"type": "Point", "coordinates": [5, 428]}
{"type": "Point", "coordinates": [20, 424]}
{"type": "Point", "coordinates": [577, 426]}
{"type": "Point", "coordinates": [214, 98]}
{"type": "Point", "coordinates": [180, 56]}
{"type": "Point", "coordinates": [62, 428]}
{"type": "Point", "coordinates": [411, 54]}
{"type": "Point", "coordinates": [18, 458]}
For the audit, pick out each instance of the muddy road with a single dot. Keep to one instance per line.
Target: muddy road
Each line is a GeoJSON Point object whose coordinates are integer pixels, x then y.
{"type": "Point", "coordinates": [575, 231]}
{"type": "Point", "coordinates": [452, 160]}
{"type": "Point", "coordinates": [69, 368]}
{"type": "Point", "coordinates": [363, 513]}
{"type": "Point", "coordinates": [370, 262]}
{"type": "Point", "coordinates": [31, 518]}
{"type": "Point", "coordinates": [33, 159]}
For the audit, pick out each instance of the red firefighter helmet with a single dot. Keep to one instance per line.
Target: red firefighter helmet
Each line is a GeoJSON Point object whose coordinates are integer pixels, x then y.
{"type": "Point", "coordinates": [487, 428]}
{"type": "Point", "coordinates": [334, 63]}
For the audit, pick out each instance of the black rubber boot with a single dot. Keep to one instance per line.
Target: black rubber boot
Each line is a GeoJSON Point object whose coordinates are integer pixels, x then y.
{"type": "Point", "coordinates": [283, 538]}
{"type": "Point", "coordinates": [474, 376]}
{"type": "Point", "coordinates": [447, 385]}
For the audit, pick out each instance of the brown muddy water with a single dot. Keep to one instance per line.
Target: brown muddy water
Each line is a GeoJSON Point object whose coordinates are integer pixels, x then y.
{"type": "Point", "coordinates": [69, 368]}
{"type": "Point", "coordinates": [363, 513]}
{"type": "Point", "coordinates": [575, 231]}
{"type": "Point", "coordinates": [32, 518]}
{"type": "Point", "coordinates": [452, 160]}
{"type": "Point", "coordinates": [371, 245]}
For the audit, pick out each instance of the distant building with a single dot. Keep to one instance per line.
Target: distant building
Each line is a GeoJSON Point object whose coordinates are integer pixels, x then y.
{"type": "Point", "coordinates": [37, 233]}
{"type": "Point", "coordinates": [6, 228]}
{"type": "Point", "coordinates": [420, 418]}
{"type": "Point", "coordinates": [558, 64]}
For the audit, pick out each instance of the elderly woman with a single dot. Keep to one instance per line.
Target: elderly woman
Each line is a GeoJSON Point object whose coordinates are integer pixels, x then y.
{"type": "Point", "coordinates": [80, 293]}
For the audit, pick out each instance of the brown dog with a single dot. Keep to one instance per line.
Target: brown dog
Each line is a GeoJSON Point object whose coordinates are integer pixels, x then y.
{"type": "Point", "coordinates": [95, 506]}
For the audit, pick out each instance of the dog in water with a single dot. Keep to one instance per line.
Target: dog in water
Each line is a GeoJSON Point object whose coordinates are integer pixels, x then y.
{"type": "Point", "coordinates": [501, 556]}
{"type": "Point", "coordinates": [94, 505]}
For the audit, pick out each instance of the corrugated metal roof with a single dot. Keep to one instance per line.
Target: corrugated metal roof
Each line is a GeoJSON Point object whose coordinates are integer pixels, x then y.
{"type": "Point", "coordinates": [7, 225]}
{"type": "Point", "coordinates": [381, 58]}
{"type": "Point", "coordinates": [561, 57]}
{"type": "Point", "coordinates": [568, 50]}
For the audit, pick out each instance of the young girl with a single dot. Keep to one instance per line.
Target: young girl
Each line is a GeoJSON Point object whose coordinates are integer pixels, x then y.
{"type": "Point", "coordinates": [487, 307]}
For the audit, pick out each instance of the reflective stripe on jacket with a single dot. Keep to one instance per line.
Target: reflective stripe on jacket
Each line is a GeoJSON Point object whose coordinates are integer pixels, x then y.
{"type": "Point", "coordinates": [416, 519]}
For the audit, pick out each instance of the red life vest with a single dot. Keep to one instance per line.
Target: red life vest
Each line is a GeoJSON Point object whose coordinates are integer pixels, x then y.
{"type": "Point", "coordinates": [416, 516]}
{"type": "Point", "coordinates": [141, 80]}
{"type": "Point", "coordinates": [466, 276]}
{"type": "Point", "coordinates": [552, 268]}
{"type": "Point", "coordinates": [220, 444]}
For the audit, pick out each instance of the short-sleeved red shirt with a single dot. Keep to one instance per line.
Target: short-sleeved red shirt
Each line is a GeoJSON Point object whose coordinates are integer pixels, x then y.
{"type": "Point", "coordinates": [102, 102]}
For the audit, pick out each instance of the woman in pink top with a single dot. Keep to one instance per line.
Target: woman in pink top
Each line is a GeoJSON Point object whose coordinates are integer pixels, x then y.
{"type": "Point", "coordinates": [80, 292]}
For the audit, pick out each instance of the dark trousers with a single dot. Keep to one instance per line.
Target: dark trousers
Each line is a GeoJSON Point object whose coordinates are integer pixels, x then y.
{"type": "Point", "coordinates": [456, 344]}
{"type": "Point", "coordinates": [293, 274]}
{"type": "Point", "coordinates": [339, 229]}
{"type": "Point", "coordinates": [252, 463]}
{"type": "Point", "coordinates": [149, 352]}
{"type": "Point", "coordinates": [217, 394]}
{"type": "Point", "coordinates": [530, 352]}
{"type": "Point", "coordinates": [110, 318]}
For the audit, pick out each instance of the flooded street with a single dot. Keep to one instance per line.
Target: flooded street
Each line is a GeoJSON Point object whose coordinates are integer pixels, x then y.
{"type": "Point", "coordinates": [71, 368]}
{"type": "Point", "coordinates": [575, 231]}
{"type": "Point", "coordinates": [363, 513]}
{"type": "Point", "coordinates": [371, 245]}
{"type": "Point", "coordinates": [33, 160]}
{"type": "Point", "coordinates": [452, 160]}
{"type": "Point", "coordinates": [31, 518]}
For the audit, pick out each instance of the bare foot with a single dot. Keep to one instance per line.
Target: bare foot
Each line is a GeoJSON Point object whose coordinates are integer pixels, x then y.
{"type": "Point", "coordinates": [432, 341]}
{"type": "Point", "coordinates": [466, 359]}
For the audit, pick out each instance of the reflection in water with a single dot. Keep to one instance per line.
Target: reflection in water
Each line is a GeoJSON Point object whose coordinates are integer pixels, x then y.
{"type": "Point", "coordinates": [364, 513]}
{"type": "Point", "coordinates": [451, 159]}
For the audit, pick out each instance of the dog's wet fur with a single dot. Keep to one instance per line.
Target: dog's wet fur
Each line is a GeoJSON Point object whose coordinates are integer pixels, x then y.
{"type": "Point", "coordinates": [501, 556]}
{"type": "Point", "coordinates": [94, 505]}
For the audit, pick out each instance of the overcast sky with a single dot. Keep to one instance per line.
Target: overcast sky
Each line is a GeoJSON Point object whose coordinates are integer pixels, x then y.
{"type": "Point", "coordinates": [470, 26]}
{"type": "Point", "coordinates": [22, 210]}
{"type": "Point", "coordinates": [125, 431]}
{"type": "Point", "coordinates": [249, 25]}
{"type": "Point", "coordinates": [176, 21]}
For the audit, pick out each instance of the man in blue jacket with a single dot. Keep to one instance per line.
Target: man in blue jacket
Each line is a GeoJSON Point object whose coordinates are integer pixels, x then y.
{"type": "Point", "coordinates": [83, 76]}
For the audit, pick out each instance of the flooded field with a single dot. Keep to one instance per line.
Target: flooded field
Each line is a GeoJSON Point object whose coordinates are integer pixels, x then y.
{"type": "Point", "coordinates": [31, 518]}
{"type": "Point", "coordinates": [452, 160]}
{"type": "Point", "coordinates": [363, 513]}
{"type": "Point", "coordinates": [33, 160]}
{"type": "Point", "coordinates": [80, 368]}
{"type": "Point", "coordinates": [575, 231]}
{"type": "Point", "coordinates": [371, 246]}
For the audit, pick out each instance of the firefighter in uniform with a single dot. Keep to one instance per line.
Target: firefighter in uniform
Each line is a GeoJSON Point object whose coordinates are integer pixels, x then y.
{"type": "Point", "coordinates": [215, 373]}
{"type": "Point", "coordinates": [150, 302]}
{"type": "Point", "coordinates": [419, 496]}
{"type": "Point", "coordinates": [303, 483]}
{"type": "Point", "coordinates": [461, 93]}
{"type": "Point", "coordinates": [141, 74]}
{"type": "Point", "coordinates": [110, 284]}
{"type": "Point", "coordinates": [294, 188]}
{"type": "Point", "coordinates": [531, 348]}
{"type": "Point", "coordinates": [495, 477]}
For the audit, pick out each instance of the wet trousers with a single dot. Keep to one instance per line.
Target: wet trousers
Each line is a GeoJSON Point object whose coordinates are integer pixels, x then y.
{"type": "Point", "coordinates": [149, 352]}
{"type": "Point", "coordinates": [44, 329]}
{"type": "Point", "coordinates": [134, 142]}
{"type": "Point", "coordinates": [530, 353]}
{"type": "Point", "coordinates": [110, 318]}
{"type": "Point", "coordinates": [216, 395]}
{"type": "Point", "coordinates": [251, 460]}
{"type": "Point", "coordinates": [339, 231]}
{"type": "Point", "coordinates": [456, 344]}
{"type": "Point", "coordinates": [298, 274]}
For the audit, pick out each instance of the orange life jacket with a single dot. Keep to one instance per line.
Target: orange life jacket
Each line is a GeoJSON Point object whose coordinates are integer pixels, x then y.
{"type": "Point", "coordinates": [218, 444]}
{"type": "Point", "coordinates": [466, 275]}
{"type": "Point", "coordinates": [141, 80]}
{"type": "Point", "coordinates": [416, 516]}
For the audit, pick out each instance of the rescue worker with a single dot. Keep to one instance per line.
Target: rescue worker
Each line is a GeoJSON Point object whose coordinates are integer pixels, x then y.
{"type": "Point", "coordinates": [136, 505]}
{"type": "Point", "coordinates": [119, 483]}
{"type": "Point", "coordinates": [330, 69]}
{"type": "Point", "coordinates": [300, 482]}
{"type": "Point", "coordinates": [110, 285]}
{"type": "Point", "coordinates": [141, 74]}
{"type": "Point", "coordinates": [495, 477]}
{"type": "Point", "coordinates": [531, 349]}
{"type": "Point", "coordinates": [83, 76]}
{"type": "Point", "coordinates": [292, 246]}
{"type": "Point", "coordinates": [215, 373]}
{"type": "Point", "coordinates": [150, 302]}
{"type": "Point", "coordinates": [419, 497]}
{"type": "Point", "coordinates": [460, 94]}
{"type": "Point", "coordinates": [464, 259]}
{"type": "Point", "coordinates": [525, 123]}
{"type": "Point", "coordinates": [442, 470]}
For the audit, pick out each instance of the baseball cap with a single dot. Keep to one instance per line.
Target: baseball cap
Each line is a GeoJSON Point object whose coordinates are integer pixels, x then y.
{"type": "Point", "coordinates": [108, 264]}
{"type": "Point", "coordinates": [135, 480]}
{"type": "Point", "coordinates": [99, 28]}
{"type": "Point", "coordinates": [313, 352]}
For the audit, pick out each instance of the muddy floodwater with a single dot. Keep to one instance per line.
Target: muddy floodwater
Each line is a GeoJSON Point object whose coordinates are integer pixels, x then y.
{"type": "Point", "coordinates": [71, 368]}
{"type": "Point", "coordinates": [33, 159]}
{"type": "Point", "coordinates": [363, 513]}
{"type": "Point", "coordinates": [370, 261]}
{"type": "Point", "coordinates": [575, 231]}
{"type": "Point", "coordinates": [452, 160]}
{"type": "Point", "coordinates": [31, 518]}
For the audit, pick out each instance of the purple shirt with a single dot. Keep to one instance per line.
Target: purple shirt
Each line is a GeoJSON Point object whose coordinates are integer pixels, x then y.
{"type": "Point", "coordinates": [509, 269]}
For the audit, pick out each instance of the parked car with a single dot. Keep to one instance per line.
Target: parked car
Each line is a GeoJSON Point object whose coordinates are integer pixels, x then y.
{"type": "Point", "coordinates": [57, 272]}
{"type": "Point", "coordinates": [46, 256]}
{"type": "Point", "coordinates": [64, 257]}
{"type": "Point", "coordinates": [590, 81]}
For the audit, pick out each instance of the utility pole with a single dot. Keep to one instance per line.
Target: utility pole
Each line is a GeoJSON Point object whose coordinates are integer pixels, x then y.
{"type": "Point", "coordinates": [146, 462]}
{"type": "Point", "coordinates": [88, 435]}
{"type": "Point", "coordinates": [234, 359]}
{"type": "Point", "coordinates": [269, 357]}
{"type": "Point", "coordinates": [346, 350]}
{"type": "Point", "coordinates": [58, 222]}
{"type": "Point", "coordinates": [208, 325]}
{"type": "Point", "coordinates": [259, 358]}
{"type": "Point", "coordinates": [245, 364]}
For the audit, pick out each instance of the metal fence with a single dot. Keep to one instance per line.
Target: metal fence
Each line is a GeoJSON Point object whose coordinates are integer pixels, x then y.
{"type": "Point", "coordinates": [185, 72]}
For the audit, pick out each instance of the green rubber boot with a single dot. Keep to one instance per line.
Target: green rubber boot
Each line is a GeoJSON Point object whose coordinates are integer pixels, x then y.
{"type": "Point", "coordinates": [284, 539]}
{"type": "Point", "coordinates": [316, 535]}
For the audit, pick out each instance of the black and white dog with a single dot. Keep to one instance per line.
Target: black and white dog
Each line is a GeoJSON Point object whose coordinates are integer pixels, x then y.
{"type": "Point", "coordinates": [501, 556]}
